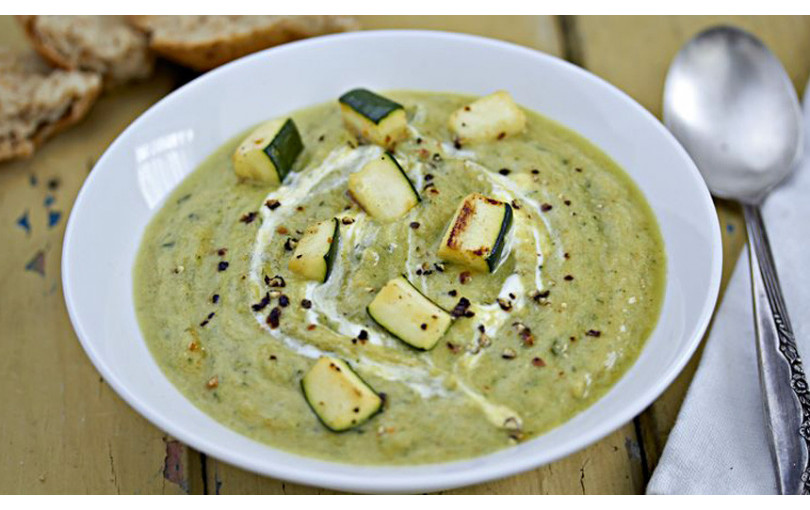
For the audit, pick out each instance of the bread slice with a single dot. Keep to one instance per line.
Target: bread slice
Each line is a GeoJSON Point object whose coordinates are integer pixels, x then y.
{"type": "Point", "coordinates": [205, 42]}
{"type": "Point", "coordinates": [106, 45]}
{"type": "Point", "coordinates": [36, 102]}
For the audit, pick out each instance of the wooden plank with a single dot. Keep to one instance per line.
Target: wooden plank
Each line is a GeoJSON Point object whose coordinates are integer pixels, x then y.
{"type": "Point", "coordinates": [538, 32]}
{"type": "Point", "coordinates": [634, 54]}
{"type": "Point", "coordinates": [610, 466]}
{"type": "Point", "coordinates": [63, 430]}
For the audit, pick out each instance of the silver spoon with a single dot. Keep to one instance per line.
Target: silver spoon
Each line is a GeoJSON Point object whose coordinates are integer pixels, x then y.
{"type": "Point", "coordinates": [728, 100]}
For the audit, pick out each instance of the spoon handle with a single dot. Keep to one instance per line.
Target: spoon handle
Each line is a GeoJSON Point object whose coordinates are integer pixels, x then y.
{"type": "Point", "coordinates": [784, 386]}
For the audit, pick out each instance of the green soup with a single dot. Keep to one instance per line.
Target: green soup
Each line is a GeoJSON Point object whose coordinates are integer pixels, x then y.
{"type": "Point", "coordinates": [580, 289]}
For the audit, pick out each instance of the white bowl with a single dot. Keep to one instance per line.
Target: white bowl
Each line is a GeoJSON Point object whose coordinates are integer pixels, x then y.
{"type": "Point", "coordinates": [132, 178]}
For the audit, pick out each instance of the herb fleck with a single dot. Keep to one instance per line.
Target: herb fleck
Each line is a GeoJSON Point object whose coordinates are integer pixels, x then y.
{"type": "Point", "coordinates": [274, 318]}
{"type": "Point", "coordinates": [505, 304]}
{"type": "Point", "coordinates": [290, 243]}
{"type": "Point", "coordinates": [248, 217]}
{"type": "Point", "coordinates": [276, 281]}
{"type": "Point", "coordinates": [525, 333]}
{"type": "Point", "coordinates": [461, 308]}
{"type": "Point", "coordinates": [261, 304]}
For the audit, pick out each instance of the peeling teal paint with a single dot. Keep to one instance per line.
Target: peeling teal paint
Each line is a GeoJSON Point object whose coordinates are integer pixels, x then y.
{"type": "Point", "coordinates": [24, 223]}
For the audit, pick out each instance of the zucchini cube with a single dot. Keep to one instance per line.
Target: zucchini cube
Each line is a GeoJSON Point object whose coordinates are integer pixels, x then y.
{"type": "Point", "coordinates": [316, 252]}
{"type": "Point", "coordinates": [404, 312]}
{"type": "Point", "coordinates": [489, 118]}
{"type": "Point", "coordinates": [338, 396]}
{"type": "Point", "coordinates": [374, 118]}
{"type": "Point", "coordinates": [477, 233]}
{"type": "Point", "coordinates": [382, 189]}
{"type": "Point", "coordinates": [269, 152]}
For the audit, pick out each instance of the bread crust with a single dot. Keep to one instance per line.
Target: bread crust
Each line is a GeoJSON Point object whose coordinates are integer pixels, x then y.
{"type": "Point", "coordinates": [76, 110]}
{"type": "Point", "coordinates": [26, 148]}
{"type": "Point", "coordinates": [136, 63]}
{"type": "Point", "coordinates": [206, 54]}
{"type": "Point", "coordinates": [45, 51]}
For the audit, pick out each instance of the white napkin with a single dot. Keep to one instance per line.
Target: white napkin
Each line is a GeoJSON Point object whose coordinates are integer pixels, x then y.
{"type": "Point", "coordinates": [719, 442]}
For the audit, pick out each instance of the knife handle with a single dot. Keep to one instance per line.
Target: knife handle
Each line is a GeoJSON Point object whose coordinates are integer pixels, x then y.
{"type": "Point", "coordinates": [785, 392]}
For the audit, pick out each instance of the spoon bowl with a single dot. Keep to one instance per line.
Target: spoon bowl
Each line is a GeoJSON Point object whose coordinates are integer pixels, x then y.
{"type": "Point", "coordinates": [730, 103]}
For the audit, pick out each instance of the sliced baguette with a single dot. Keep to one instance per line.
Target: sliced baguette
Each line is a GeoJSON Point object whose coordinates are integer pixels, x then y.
{"type": "Point", "coordinates": [205, 42]}
{"type": "Point", "coordinates": [106, 45]}
{"type": "Point", "coordinates": [36, 102]}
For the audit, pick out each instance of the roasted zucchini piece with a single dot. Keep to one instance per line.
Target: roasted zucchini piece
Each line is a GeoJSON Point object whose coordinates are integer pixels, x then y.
{"type": "Point", "coordinates": [315, 254]}
{"type": "Point", "coordinates": [489, 118]}
{"type": "Point", "coordinates": [409, 315]}
{"type": "Point", "coordinates": [382, 189]}
{"type": "Point", "coordinates": [374, 118]}
{"type": "Point", "coordinates": [269, 152]}
{"type": "Point", "coordinates": [477, 233]}
{"type": "Point", "coordinates": [338, 396]}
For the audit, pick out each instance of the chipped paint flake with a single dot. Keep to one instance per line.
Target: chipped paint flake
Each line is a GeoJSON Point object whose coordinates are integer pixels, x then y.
{"type": "Point", "coordinates": [24, 223]}
{"type": "Point", "coordinates": [173, 464]}
{"type": "Point", "coordinates": [53, 218]}
{"type": "Point", "coordinates": [37, 263]}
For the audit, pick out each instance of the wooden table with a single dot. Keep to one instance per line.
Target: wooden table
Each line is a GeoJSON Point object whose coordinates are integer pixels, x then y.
{"type": "Point", "coordinates": [63, 430]}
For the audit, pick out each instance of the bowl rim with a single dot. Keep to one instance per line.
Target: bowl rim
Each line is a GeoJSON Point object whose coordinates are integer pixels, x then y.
{"type": "Point", "coordinates": [396, 480]}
